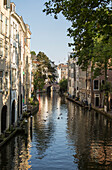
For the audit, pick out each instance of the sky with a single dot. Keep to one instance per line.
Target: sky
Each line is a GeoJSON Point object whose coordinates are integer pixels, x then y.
{"type": "Point", "coordinates": [48, 34]}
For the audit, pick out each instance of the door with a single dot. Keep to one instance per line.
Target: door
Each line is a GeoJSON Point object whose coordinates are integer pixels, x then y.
{"type": "Point", "coordinates": [97, 101]}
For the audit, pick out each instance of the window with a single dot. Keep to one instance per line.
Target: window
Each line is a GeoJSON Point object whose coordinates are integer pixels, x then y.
{"type": "Point", "coordinates": [1, 48]}
{"type": "Point", "coordinates": [6, 83]}
{"type": "Point", "coordinates": [6, 26]}
{"type": "Point", "coordinates": [26, 59]}
{"type": "Point", "coordinates": [96, 87]}
{"type": "Point", "coordinates": [6, 49]}
{"type": "Point", "coordinates": [13, 78]}
{"type": "Point", "coordinates": [1, 23]}
{"type": "Point", "coordinates": [14, 30]}
{"type": "Point", "coordinates": [72, 65]}
{"type": "Point", "coordinates": [6, 80]}
{"type": "Point", "coordinates": [7, 3]}
{"type": "Point", "coordinates": [103, 82]}
{"type": "Point", "coordinates": [14, 55]}
{"type": "Point", "coordinates": [1, 80]}
{"type": "Point", "coordinates": [72, 75]}
{"type": "Point", "coordinates": [13, 8]}
{"type": "Point", "coordinates": [70, 83]}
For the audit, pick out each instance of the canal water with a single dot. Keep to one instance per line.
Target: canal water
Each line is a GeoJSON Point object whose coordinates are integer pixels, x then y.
{"type": "Point", "coordinates": [61, 136]}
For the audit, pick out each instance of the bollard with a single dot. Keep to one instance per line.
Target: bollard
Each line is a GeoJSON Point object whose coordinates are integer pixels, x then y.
{"type": "Point", "coordinates": [26, 127]}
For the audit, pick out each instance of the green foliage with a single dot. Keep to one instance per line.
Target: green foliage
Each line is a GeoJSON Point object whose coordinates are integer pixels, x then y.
{"type": "Point", "coordinates": [33, 52]}
{"type": "Point", "coordinates": [45, 70]}
{"type": "Point", "coordinates": [42, 58]}
{"type": "Point", "coordinates": [89, 20]}
{"type": "Point", "coordinates": [46, 66]}
{"type": "Point", "coordinates": [39, 79]}
{"type": "Point", "coordinates": [107, 87]}
{"type": "Point", "coordinates": [91, 31]}
{"type": "Point", "coordinates": [32, 101]}
{"type": "Point", "coordinates": [63, 85]}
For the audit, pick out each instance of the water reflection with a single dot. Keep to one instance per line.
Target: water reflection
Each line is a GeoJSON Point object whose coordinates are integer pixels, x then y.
{"type": "Point", "coordinates": [61, 136]}
{"type": "Point", "coordinates": [91, 135]}
{"type": "Point", "coordinates": [15, 155]}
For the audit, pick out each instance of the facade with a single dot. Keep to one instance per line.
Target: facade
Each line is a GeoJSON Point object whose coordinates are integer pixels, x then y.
{"type": "Point", "coordinates": [82, 85]}
{"type": "Point", "coordinates": [15, 65]}
{"type": "Point", "coordinates": [4, 65]}
{"type": "Point", "coordinates": [85, 85]}
{"type": "Point", "coordinates": [27, 66]}
{"type": "Point", "coordinates": [62, 70]}
{"type": "Point", "coordinates": [71, 77]}
{"type": "Point", "coordinates": [98, 93]}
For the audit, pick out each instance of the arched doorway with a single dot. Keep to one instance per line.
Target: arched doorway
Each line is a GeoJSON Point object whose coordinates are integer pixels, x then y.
{"type": "Point", "coordinates": [3, 118]}
{"type": "Point", "coordinates": [13, 113]}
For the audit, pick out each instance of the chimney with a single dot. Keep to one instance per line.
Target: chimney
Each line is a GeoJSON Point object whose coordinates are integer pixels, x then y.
{"type": "Point", "coordinates": [12, 7]}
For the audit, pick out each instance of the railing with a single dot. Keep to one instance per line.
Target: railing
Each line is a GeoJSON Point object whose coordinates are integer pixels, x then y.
{"type": "Point", "coordinates": [25, 108]}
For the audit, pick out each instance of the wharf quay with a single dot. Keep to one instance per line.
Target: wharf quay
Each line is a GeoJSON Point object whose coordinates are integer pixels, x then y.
{"type": "Point", "coordinates": [99, 110]}
{"type": "Point", "coordinates": [20, 127]}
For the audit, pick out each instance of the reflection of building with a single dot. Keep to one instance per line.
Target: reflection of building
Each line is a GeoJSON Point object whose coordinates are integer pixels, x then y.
{"type": "Point", "coordinates": [16, 154]}
{"type": "Point", "coordinates": [15, 65]}
{"type": "Point", "coordinates": [101, 152]}
{"type": "Point", "coordinates": [90, 135]}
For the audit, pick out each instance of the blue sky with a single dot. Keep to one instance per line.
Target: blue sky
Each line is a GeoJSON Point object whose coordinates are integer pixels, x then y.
{"type": "Point", "coordinates": [48, 35]}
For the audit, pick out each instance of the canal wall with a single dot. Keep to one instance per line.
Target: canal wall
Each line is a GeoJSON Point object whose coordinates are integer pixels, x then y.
{"type": "Point", "coordinates": [99, 110]}
{"type": "Point", "coordinates": [20, 128]}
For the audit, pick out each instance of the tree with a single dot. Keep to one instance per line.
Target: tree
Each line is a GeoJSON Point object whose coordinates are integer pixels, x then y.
{"type": "Point", "coordinates": [89, 19]}
{"type": "Point", "coordinates": [47, 66]}
{"type": "Point", "coordinates": [63, 85]}
{"type": "Point", "coordinates": [39, 81]}
{"type": "Point", "coordinates": [33, 52]}
{"type": "Point", "coordinates": [44, 70]}
{"type": "Point", "coordinates": [102, 51]}
{"type": "Point", "coordinates": [91, 30]}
